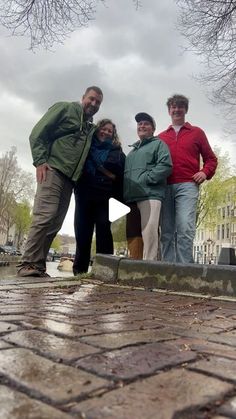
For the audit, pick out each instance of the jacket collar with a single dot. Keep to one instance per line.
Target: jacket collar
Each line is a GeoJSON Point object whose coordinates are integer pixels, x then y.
{"type": "Point", "coordinates": [141, 143]}
{"type": "Point", "coordinates": [186, 125]}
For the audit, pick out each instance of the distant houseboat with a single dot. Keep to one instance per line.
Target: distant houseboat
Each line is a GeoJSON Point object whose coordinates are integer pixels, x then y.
{"type": "Point", "coordinates": [65, 264]}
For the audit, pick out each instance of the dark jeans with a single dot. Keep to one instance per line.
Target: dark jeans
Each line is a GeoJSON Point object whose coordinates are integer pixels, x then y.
{"type": "Point", "coordinates": [90, 212]}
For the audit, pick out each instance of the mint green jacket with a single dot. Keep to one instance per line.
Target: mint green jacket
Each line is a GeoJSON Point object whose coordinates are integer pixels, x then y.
{"type": "Point", "coordinates": [147, 167]}
{"type": "Point", "coordinates": [62, 138]}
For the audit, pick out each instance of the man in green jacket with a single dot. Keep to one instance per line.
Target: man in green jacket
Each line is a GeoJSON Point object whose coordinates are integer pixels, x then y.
{"type": "Point", "coordinates": [147, 167]}
{"type": "Point", "coordinates": [59, 142]}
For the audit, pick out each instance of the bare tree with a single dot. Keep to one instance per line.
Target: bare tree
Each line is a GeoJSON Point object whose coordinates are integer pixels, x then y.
{"type": "Point", "coordinates": [16, 185]}
{"type": "Point", "coordinates": [210, 29]}
{"type": "Point", "coordinates": [47, 21]}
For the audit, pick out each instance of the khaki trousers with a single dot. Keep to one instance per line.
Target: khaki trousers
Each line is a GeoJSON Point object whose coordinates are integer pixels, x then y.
{"type": "Point", "coordinates": [150, 215]}
{"type": "Point", "coordinates": [51, 203]}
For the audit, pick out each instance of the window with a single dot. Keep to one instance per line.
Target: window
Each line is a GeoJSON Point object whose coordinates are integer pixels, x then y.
{"type": "Point", "coordinates": [223, 212]}
{"type": "Point", "coordinates": [228, 211]}
{"type": "Point", "coordinates": [227, 230]}
{"type": "Point", "coordinates": [218, 232]}
{"type": "Point", "coordinates": [223, 231]}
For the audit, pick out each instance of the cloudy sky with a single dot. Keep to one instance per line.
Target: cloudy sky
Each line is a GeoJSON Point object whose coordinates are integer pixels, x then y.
{"type": "Point", "coordinates": [135, 56]}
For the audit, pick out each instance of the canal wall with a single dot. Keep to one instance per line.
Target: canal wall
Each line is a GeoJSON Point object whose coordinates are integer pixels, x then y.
{"type": "Point", "coordinates": [213, 280]}
{"type": "Point", "coordinates": [6, 259]}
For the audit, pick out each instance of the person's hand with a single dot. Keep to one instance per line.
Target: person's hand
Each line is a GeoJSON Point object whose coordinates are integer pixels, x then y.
{"type": "Point", "coordinates": [41, 172]}
{"type": "Point", "coordinates": [199, 177]}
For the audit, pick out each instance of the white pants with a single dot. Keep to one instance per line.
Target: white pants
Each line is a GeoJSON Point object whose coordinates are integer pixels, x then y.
{"type": "Point", "coordinates": [150, 214]}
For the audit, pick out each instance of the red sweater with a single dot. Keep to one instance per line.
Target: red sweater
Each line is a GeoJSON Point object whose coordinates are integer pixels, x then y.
{"type": "Point", "coordinates": [186, 147]}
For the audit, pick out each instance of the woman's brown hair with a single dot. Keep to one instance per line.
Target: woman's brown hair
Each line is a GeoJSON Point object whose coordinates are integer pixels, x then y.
{"type": "Point", "coordinates": [115, 137]}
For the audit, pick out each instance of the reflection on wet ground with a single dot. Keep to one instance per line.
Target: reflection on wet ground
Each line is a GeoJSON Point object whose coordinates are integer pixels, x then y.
{"type": "Point", "coordinates": [10, 271]}
{"type": "Point", "coordinates": [77, 348]}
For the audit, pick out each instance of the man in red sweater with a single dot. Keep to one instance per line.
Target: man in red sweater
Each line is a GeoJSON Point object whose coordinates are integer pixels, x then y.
{"type": "Point", "coordinates": [187, 144]}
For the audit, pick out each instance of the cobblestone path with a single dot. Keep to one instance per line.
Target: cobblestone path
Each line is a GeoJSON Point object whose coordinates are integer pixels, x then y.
{"type": "Point", "coordinates": [88, 350]}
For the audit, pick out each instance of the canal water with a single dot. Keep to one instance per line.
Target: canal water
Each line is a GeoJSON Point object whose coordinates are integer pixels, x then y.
{"type": "Point", "coordinates": [10, 271]}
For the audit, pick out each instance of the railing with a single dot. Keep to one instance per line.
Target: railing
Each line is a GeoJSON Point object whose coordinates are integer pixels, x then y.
{"type": "Point", "coordinates": [6, 259]}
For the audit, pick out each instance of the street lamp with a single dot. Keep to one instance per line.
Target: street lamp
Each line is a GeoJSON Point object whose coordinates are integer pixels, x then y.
{"type": "Point", "coordinates": [210, 253]}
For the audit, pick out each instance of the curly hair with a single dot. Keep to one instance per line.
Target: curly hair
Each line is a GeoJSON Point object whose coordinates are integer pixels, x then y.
{"type": "Point", "coordinates": [115, 137]}
{"type": "Point", "coordinates": [178, 100]}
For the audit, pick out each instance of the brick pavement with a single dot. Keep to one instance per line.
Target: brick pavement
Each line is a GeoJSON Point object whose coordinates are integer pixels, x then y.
{"type": "Point", "coordinates": [83, 349]}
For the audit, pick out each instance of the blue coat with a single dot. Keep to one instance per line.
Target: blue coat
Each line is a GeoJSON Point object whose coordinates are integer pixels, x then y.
{"type": "Point", "coordinates": [95, 181]}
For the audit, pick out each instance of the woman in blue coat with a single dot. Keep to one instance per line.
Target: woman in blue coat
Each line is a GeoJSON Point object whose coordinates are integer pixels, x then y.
{"type": "Point", "coordinates": [102, 179]}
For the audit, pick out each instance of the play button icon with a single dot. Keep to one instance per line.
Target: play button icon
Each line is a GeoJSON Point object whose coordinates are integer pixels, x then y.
{"type": "Point", "coordinates": [117, 209]}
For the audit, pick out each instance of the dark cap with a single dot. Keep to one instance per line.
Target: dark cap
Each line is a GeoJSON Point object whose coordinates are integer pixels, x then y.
{"type": "Point", "coordinates": [143, 116]}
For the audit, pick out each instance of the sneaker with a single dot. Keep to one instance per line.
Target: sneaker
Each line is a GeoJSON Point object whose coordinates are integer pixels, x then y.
{"type": "Point", "coordinates": [28, 270]}
{"type": "Point", "coordinates": [44, 275]}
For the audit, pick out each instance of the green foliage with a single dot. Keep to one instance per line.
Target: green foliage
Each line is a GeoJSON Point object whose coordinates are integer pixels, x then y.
{"type": "Point", "coordinates": [21, 217]}
{"type": "Point", "coordinates": [212, 192]}
{"type": "Point", "coordinates": [119, 230]}
{"type": "Point", "coordinates": [56, 244]}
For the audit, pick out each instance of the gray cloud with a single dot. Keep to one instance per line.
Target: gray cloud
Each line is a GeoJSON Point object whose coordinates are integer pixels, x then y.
{"type": "Point", "coordinates": [134, 56]}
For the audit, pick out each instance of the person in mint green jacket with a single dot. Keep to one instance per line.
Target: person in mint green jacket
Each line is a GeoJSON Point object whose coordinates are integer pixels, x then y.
{"type": "Point", "coordinates": [147, 167]}
{"type": "Point", "coordinates": [60, 143]}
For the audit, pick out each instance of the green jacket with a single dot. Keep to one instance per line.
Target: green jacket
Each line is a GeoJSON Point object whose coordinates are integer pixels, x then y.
{"type": "Point", "coordinates": [62, 138]}
{"type": "Point", "coordinates": [146, 168]}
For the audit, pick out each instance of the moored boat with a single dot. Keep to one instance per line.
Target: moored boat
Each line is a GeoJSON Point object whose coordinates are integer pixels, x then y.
{"type": "Point", "coordinates": [65, 264]}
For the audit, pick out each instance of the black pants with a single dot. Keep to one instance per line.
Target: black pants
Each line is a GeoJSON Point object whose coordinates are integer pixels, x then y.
{"type": "Point", "coordinates": [90, 212]}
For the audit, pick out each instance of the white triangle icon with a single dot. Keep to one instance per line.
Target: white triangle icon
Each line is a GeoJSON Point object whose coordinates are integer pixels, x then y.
{"type": "Point", "coordinates": [117, 209]}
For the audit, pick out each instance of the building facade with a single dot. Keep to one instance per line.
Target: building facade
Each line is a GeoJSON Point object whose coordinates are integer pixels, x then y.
{"type": "Point", "coordinates": [220, 230]}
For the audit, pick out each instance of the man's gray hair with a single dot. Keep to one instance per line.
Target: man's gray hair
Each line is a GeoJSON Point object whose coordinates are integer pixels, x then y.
{"type": "Point", "coordinates": [95, 88]}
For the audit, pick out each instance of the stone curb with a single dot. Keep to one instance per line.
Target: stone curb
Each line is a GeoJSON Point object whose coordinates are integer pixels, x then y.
{"type": "Point", "coordinates": [214, 280]}
{"type": "Point", "coordinates": [6, 259]}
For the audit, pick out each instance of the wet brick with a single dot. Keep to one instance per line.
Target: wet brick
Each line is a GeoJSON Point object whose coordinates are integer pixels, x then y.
{"type": "Point", "coordinates": [66, 329]}
{"type": "Point", "coordinates": [50, 344]}
{"type": "Point", "coordinates": [205, 347]}
{"type": "Point", "coordinates": [124, 317]}
{"type": "Point", "coordinates": [220, 367]}
{"type": "Point", "coordinates": [79, 321]}
{"type": "Point", "coordinates": [122, 327]}
{"type": "Point", "coordinates": [229, 408]}
{"type": "Point", "coordinates": [4, 345]}
{"type": "Point", "coordinates": [48, 317]}
{"type": "Point", "coordinates": [221, 323]}
{"type": "Point", "coordinates": [133, 361]}
{"type": "Point", "coordinates": [7, 327]}
{"type": "Point", "coordinates": [13, 317]}
{"type": "Point", "coordinates": [225, 338]}
{"type": "Point", "coordinates": [57, 382]}
{"type": "Point", "coordinates": [117, 340]}
{"type": "Point", "coordinates": [192, 330]}
{"type": "Point", "coordinates": [160, 396]}
{"type": "Point", "coordinates": [15, 405]}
